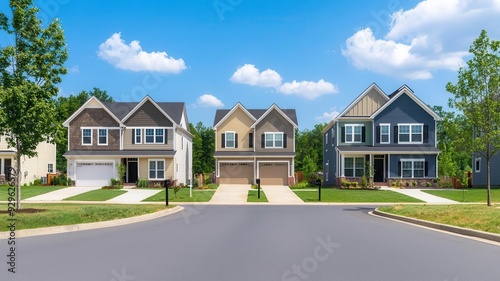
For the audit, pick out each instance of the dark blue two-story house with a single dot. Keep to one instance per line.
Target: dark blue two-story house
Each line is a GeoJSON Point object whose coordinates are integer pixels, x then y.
{"type": "Point", "coordinates": [393, 134]}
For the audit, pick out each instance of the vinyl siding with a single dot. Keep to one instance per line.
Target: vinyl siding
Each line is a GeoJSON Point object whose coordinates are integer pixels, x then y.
{"type": "Point", "coordinates": [329, 156]}
{"type": "Point", "coordinates": [368, 132]}
{"type": "Point", "coordinates": [395, 158]}
{"type": "Point", "coordinates": [274, 122]}
{"type": "Point", "coordinates": [127, 141]}
{"type": "Point", "coordinates": [480, 178]}
{"type": "Point", "coordinates": [372, 101]}
{"type": "Point", "coordinates": [240, 123]}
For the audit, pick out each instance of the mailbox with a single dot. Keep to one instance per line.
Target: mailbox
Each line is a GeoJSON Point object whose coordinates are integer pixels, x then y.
{"type": "Point", "coordinates": [257, 181]}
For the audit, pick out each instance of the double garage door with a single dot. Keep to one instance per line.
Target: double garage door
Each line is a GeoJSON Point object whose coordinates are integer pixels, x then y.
{"type": "Point", "coordinates": [243, 173]}
{"type": "Point", "coordinates": [94, 174]}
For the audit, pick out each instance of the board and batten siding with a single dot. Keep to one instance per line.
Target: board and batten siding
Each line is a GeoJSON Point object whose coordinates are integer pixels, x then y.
{"type": "Point", "coordinates": [370, 103]}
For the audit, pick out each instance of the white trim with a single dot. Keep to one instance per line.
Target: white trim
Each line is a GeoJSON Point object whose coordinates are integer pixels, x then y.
{"type": "Point", "coordinates": [156, 168]}
{"type": "Point", "coordinates": [93, 161]}
{"type": "Point", "coordinates": [154, 135]}
{"type": "Point", "coordinates": [140, 135]}
{"type": "Point", "coordinates": [274, 106]}
{"type": "Point", "coordinates": [91, 136]}
{"type": "Point", "coordinates": [101, 127]}
{"type": "Point", "coordinates": [412, 160]}
{"type": "Point", "coordinates": [99, 135]}
{"type": "Point", "coordinates": [50, 163]}
{"type": "Point", "coordinates": [274, 140]}
{"type": "Point", "coordinates": [66, 123]}
{"type": "Point", "coordinates": [476, 161]}
{"type": "Point", "coordinates": [389, 164]}
{"type": "Point", "coordinates": [141, 103]}
{"type": "Point", "coordinates": [352, 134]}
{"type": "Point", "coordinates": [225, 139]}
{"type": "Point", "coordinates": [237, 105]}
{"type": "Point", "coordinates": [354, 157]}
{"type": "Point", "coordinates": [389, 133]}
{"type": "Point", "coordinates": [410, 133]}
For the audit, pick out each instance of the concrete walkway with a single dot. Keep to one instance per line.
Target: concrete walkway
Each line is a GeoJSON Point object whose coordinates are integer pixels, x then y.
{"type": "Point", "coordinates": [419, 194]}
{"type": "Point", "coordinates": [62, 193]}
{"type": "Point", "coordinates": [134, 196]}
{"type": "Point", "coordinates": [281, 194]}
{"type": "Point", "coordinates": [231, 194]}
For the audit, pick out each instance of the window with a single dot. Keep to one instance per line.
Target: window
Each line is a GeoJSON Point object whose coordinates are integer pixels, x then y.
{"type": "Point", "coordinates": [87, 136]}
{"type": "Point", "coordinates": [333, 138]}
{"type": "Point", "coordinates": [326, 138]}
{"type": "Point", "coordinates": [477, 164]}
{"type": "Point", "coordinates": [413, 168]}
{"type": "Point", "coordinates": [138, 135]}
{"type": "Point", "coordinates": [274, 140]}
{"type": "Point", "coordinates": [354, 166]}
{"type": "Point", "coordinates": [156, 169]}
{"type": "Point", "coordinates": [103, 137]}
{"type": "Point", "coordinates": [50, 168]}
{"type": "Point", "coordinates": [182, 142]}
{"type": "Point", "coordinates": [353, 133]}
{"type": "Point", "coordinates": [230, 139]}
{"type": "Point", "coordinates": [410, 133]}
{"type": "Point", "coordinates": [384, 133]}
{"type": "Point", "coordinates": [154, 135]}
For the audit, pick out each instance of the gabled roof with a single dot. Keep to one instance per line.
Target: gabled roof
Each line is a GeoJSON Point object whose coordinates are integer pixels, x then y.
{"type": "Point", "coordinates": [121, 109]}
{"type": "Point", "coordinates": [275, 107]}
{"type": "Point", "coordinates": [222, 114]}
{"type": "Point", "coordinates": [406, 90]}
{"type": "Point", "coordinates": [92, 99]}
{"type": "Point", "coordinates": [142, 102]}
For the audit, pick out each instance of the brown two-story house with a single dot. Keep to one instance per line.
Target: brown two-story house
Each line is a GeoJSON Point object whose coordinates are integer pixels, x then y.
{"type": "Point", "coordinates": [255, 144]}
{"type": "Point", "coordinates": [151, 139]}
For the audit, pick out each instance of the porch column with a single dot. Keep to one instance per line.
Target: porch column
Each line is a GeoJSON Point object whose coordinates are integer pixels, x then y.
{"type": "Point", "coordinates": [388, 166]}
{"type": "Point", "coordinates": [2, 167]}
{"type": "Point", "coordinates": [342, 165]}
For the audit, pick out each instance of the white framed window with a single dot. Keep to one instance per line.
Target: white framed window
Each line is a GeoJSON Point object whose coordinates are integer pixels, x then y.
{"type": "Point", "coordinates": [154, 136]}
{"type": "Point", "coordinates": [413, 168]}
{"type": "Point", "coordinates": [156, 169]}
{"type": "Point", "coordinates": [159, 138]}
{"type": "Point", "coordinates": [86, 136]}
{"type": "Point", "coordinates": [274, 140]}
{"type": "Point", "coordinates": [410, 133]}
{"type": "Point", "coordinates": [138, 136]}
{"type": "Point", "coordinates": [149, 136]}
{"type": "Point", "coordinates": [230, 139]}
{"type": "Point", "coordinates": [103, 137]}
{"type": "Point", "coordinates": [385, 133]}
{"type": "Point", "coordinates": [354, 166]}
{"type": "Point", "coordinates": [353, 133]}
{"type": "Point", "coordinates": [50, 168]}
{"type": "Point", "coordinates": [477, 165]}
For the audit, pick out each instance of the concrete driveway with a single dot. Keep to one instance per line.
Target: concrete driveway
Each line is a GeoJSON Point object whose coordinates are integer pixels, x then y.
{"type": "Point", "coordinates": [61, 194]}
{"type": "Point", "coordinates": [231, 194]}
{"type": "Point", "coordinates": [280, 194]}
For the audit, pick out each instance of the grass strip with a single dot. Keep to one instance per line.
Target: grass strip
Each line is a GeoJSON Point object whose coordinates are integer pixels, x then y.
{"type": "Point", "coordinates": [252, 196]}
{"type": "Point", "coordinates": [467, 195]}
{"type": "Point", "coordinates": [182, 196]}
{"type": "Point", "coordinates": [349, 195]}
{"type": "Point", "coordinates": [97, 195]}
{"type": "Point", "coordinates": [28, 191]}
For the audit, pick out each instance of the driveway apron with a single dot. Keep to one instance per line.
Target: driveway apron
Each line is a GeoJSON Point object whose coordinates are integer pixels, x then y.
{"type": "Point", "coordinates": [62, 193]}
{"type": "Point", "coordinates": [281, 194]}
{"type": "Point", "coordinates": [133, 196]}
{"type": "Point", "coordinates": [419, 194]}
{"type": "Point", "coordinates": [231, 194]}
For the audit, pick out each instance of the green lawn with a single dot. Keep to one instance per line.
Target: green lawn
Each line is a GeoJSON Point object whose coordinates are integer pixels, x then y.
{"type": "Point", "coordinates": [67, 214]}
{"type": "Point", "coordinates": [470, 194]}
{"type": "Point", "coordinates": [252, 196]}
{"type": "Point", "coordinates": [28, 191]}
{"type": "Point", "coordinates": [349, 195]}
{"type": "Point", "coordinates": [479, 217]}
{"type": "Point", "coordinates": [97, 195]}
{"type": "Point", "coordinates": [183, 196]}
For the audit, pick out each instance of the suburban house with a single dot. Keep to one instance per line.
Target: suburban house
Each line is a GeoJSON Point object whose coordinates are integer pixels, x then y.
{"type": "Point", "coordinates": [393, 135]}
{"type": "Point", "coordinates": [479, 170]}
{"type": "Point", "coordinates": [255, 144]}
{"type": "Point", "coordinates": [31, 168]}
{"type": "Point", "coordinates": [152, 139]}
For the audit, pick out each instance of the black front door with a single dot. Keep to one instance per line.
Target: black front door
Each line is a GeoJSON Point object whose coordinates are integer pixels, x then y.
{"type": "Point", "coordinates": [132, 172]}
{"type": "Point", "coordinates": [378, 166]}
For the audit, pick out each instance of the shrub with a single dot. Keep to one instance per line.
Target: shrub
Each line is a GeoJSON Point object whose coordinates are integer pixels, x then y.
{"type": "Point", "coordinates": [303, 184]}
{"type": "Point", "coordinates": [37, 182]}
{"type": "Point", "coordinates": [364, 181]}
{"type": "Point", "coordinates": [354, 184]}
{"type": "Point", "coordinates": [142, 183]}
{"type": "Point", "coordinates": [176, 189]}
{"type": "Point", "coordinates": [414, 183]}
{"type": "Point", "coordinates": [195, 183]}
{"type": "Point", "coordinates": [208, 180]}
{"type": "Point", "coordinates": [428, 184]}
{"type": "Point", "coordinates": [407, 183]}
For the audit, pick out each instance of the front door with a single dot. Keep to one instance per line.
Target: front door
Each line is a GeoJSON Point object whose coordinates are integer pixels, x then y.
{"type": "Point", "coordinates": [378, 166]}
{"type": "Point", "coordinates": [132, 172]}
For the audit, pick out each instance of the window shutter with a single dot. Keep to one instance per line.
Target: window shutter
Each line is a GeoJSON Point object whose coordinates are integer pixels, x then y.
{"type": "Point", "coordinates": [285, 140]}
{"type": "Point", "coordinates": [223, 141]}
{"type": "Point", "coordinates": [426, 168]}
{"type": "Point", "coordinates": [363, 133]}
{"type": "Point", "coordinates": [399, 169]}
{"type": "Point", "coordinates": [133, 136]}
{"type": "Point", "coordinates": [342, 134]}
{"type": "Point", "coordinates": [235, 140]}
{"type": "Point", "coordinates": [250, 140]}
{"type": "Point", "coordinates": [378, 134]}
{"type": "Point", "coordinates": [426, 133]}
{"type": "Point", "coordinates": [396, 135]}
{"type": "Point", "coordinates": [166, 136]}
{"type": "Point", "coordinates": [263, 141]}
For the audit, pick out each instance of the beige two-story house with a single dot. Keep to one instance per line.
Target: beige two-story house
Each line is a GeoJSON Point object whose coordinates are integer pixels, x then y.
{"type": "Point", "coordinates": [255, 144]}
{"type": "Point", "coordinates": [152, 139]}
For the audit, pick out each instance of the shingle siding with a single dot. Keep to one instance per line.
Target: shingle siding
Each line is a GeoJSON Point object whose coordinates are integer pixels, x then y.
{"type": "Point", "coordinates": [148, 115]}
{"type": "Point", "coordinates": [93, 117]}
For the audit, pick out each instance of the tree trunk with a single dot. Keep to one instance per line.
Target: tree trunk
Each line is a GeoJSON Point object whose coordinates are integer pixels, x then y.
{"type": "Point", "coordinates": [18, 175]}
{"type": "Point", "coordinates": [488, 175]}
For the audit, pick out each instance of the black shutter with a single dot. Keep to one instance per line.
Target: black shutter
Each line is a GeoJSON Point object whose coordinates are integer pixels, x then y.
{"type": "Point", "coordinates": [133, 136]}
{"type": "Point", "coordinates": [166, 136]}
{"type": "Point", "coordinates": [363, 133]}
{"type": "Point", "coordinates": [378, 134]}
{"type": "Point", "coordinates": [399, 169]}
{"type": "Point", "coordinates": [396, 135]}
{"type": "Point", "coordinates": [426, 168]}
{"type": "Point", "coordinates": [367, 158]}
{"type": "Point", "coordinates": [223, 141]}
{"type": "Point", "coordinates": [284, 140]}
{"type": "Point", "coordinates": [263, 141]}
{"type": "Point", "coordinates": [426, 134]}
{"type": "Point", "coordinates": [235, 140]}
{"type": "Point", "coordinates": [342, 134]}
{"type": "Point", "coordinates": [250, 140]}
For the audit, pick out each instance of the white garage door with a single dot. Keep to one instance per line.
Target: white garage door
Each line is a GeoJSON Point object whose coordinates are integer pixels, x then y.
{"type": "Point", "coordinates": [94, 174]}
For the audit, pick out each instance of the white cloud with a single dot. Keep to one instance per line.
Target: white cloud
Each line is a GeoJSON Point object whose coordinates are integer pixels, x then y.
{"type": "Point", "coordinates": [250, 75]}
{"type": "Point", "coordinates": [327, 116]}
{"type": "Point", "coordinates": [131, 57]}
{"type": "Point", "coordinates": [308, 89]}
{"type": "Point", "coordinates": [209, 101]}
{"type": "Point", "coordinates": [434, 35]}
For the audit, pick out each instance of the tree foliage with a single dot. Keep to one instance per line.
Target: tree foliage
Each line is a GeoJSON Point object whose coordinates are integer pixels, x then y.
{"type": "Point", "coordinates": [203, 148]}
{"type": "Point", "coordinates": [477, 95]}
{"type": "Point", "coordinates": [309, 150]}
{"type": "Point", "coordinates": [30, 69]}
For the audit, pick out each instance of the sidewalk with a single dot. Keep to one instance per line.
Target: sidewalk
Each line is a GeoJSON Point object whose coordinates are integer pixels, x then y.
{"type": "Point", "coordinates": [281, 195]}
{"type": "Point", "coordinates": [231, 194]}
{"type": "Point", "coordinates": [418, 194]}
{"type": "Point", "coordinates": [61, 194]}
{"type": "Point", "coordinates": [133, 196]}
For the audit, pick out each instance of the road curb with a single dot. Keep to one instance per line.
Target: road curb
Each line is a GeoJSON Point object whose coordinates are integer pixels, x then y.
{"type": "Point", "coordinates": [440, 226]}
{"type": "Point", "coordinates": [89, 226]}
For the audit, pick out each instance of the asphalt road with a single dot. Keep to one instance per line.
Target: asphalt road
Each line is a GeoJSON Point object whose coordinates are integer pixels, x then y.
{"type": "Point", "coordinates": [238, 243]}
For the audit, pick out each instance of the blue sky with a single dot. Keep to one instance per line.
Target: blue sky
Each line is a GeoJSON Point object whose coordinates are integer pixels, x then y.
{"type": "Point", "coordinates": [314, 56]}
